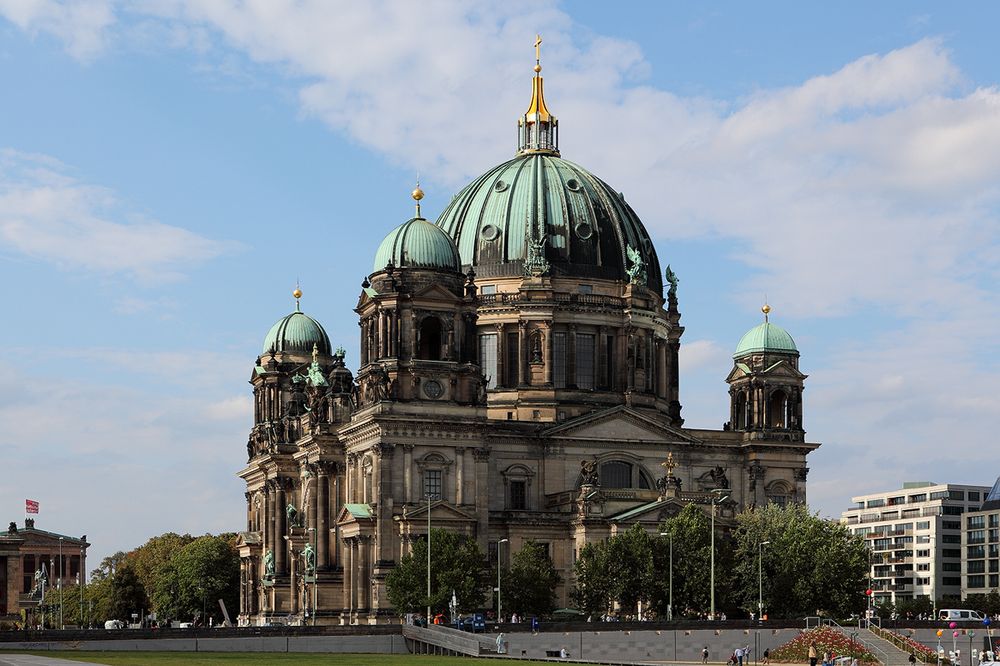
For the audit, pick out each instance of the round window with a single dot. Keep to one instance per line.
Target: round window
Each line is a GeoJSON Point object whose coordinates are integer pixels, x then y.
{"type": "Point", "coordinates": [499, 186]}
{"type": "Point", "coordinates": [433, 389]}
{"type": "Point", "coordinates": [490, 232]}
{"type": "Point", "coordinates": [573, 185]}
{"type": "Point", "coordinates": [584, 230]}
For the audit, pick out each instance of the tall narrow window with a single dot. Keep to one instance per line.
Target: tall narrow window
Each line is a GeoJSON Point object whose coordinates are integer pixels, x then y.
{"type": "Point", "coordinates": [488, 358]}
{"type": "Point", "coordinates": [518, 495]}
{"type": "Point", "coordinates": [432, 483]}
{"type": "Point", "coordinates": [512, 361]}
{"type": "Point", "coordinates": [559, 360]}
{"type": "Point", "coordinates": [585, 360]}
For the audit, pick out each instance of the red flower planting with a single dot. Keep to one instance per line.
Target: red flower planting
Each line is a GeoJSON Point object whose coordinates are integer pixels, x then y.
{"type": "Point", "coordinates": [826, 640]}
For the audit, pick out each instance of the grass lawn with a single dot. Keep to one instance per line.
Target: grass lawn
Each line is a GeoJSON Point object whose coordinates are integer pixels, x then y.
{"type": "Point", "coordinates": [213, 658]}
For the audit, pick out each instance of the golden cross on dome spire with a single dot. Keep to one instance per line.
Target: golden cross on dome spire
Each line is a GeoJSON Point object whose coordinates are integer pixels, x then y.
{"type": "Point", "coordinates": [538, 53]}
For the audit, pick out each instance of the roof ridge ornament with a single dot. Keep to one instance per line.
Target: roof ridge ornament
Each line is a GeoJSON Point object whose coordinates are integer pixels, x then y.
{"type": "Point", "coordinates": [538, 129]}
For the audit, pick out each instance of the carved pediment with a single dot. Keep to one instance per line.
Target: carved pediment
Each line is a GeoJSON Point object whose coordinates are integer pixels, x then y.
{"type": "Point", "coordinates": [783, 369]}
{"type": "Point", "coordinates": [620, 424]}
{"type": "Point", "coordinates": [440, 511]}
{"type": "Point", "coordinates": [435, 292]}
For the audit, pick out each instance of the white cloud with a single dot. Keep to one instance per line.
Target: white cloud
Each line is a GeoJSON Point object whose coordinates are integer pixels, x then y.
{"type": "Point", "coordinates": [868, 189]}
{"type": "Point", "coordinates": [696, 354]}
{"type": "Point", "coordinates": [81, 24]}
{"type": "Point", "coordinates": [46, 213]}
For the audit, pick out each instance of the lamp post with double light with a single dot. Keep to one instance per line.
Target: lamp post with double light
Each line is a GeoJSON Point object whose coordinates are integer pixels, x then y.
{"type": "Point", "coordinates": [61, 568]}
{"type": "Point", "coordinates": [760, 580]}
{"type": "Point", "coordinates": [670, 577]}
{"type": "Point", "coordinates": [501, 541]}
{"type": "Point", "coordinates": [430, 497]}
{"type": "Point", "coordinates": [720, 496]}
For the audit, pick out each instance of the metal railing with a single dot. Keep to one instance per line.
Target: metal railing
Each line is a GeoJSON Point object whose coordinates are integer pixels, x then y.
{"type": "Point", "coordinates": [897, 641]}
{"type": "Point", "coordinates": [881, 655]}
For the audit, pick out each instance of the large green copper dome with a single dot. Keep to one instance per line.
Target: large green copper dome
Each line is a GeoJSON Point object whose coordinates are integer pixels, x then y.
{"type": "Point", "coordinates": [296, 332]}
{"type": "Point", "coordinates": [586, 225]}
{"type": "Point", "coordinates": [766, 338]}
{"type": "Point", "coordinates": [417, 244]}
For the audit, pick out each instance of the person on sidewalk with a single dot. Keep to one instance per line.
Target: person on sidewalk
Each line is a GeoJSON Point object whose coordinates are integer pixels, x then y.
{"type": "Point", "coordinates": [812, 654]}
{"type": "Point", "coordinates": [704, 655]}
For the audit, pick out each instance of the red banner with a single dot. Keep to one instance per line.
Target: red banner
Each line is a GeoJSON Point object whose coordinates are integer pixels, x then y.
{"type": "Point", "coordinates": [30, 506]}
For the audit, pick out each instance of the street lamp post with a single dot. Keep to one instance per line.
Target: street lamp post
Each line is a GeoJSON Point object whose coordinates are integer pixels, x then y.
{"type": "Point", "coordinates": [61, 565]}
{"type": "Point", "coordinates": [719, 498]}
{"type": "Point", "coordinates": [315, 594]}
{"type": "Point", "coordinates": [499, 615]}
{"type": "Point", "coordinates": [429, 497]}
{"type": "Point", "coordinates": [670, 577]}
{"type": "Point", "coordinates": [760, 580]}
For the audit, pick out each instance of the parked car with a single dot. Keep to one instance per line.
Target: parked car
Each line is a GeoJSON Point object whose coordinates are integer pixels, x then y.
{"type": "Point", "coordinates": [114, 624]}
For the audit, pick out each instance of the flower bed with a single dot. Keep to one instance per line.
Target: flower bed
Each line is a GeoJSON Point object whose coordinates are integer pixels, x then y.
{"type": "Point", "coordinates": [826, 640]}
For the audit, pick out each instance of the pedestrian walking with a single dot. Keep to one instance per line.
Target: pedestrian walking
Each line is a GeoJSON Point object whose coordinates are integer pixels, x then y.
{"type": "Point", "coordinates": [739, 656]}
{"type": "Point", "coordinates": [912, 659]}
{"type": "Point", "coordinates": [812, 654]}
{"type": "Point", "coordinates": [767, 656]}
{"type": "Point", "coordinates": [704, 655]}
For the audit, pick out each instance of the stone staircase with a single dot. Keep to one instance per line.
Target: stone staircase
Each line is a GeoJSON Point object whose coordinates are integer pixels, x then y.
{"type": "Point", "coordinates": [893, 655]}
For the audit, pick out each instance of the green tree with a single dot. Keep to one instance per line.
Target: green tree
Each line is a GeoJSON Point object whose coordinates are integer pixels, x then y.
{"type": "Point", "coordinates": [630, 568]}
{"type": "Point", "coordinates": [592, 591]}
{"type": "Point", "coordinates": [152, 558]}
{"type": "Point", "coordinates": [196, 577]}
{"type": "Point", "coordinates": [125, 595]}
{"type": "Point", "coordinates": [809, 565]}
{"type": "Point", "coordinates": [691, 531]}
{"type": "Point", "coordinates": [457, 564]}
{"type": "Point", "coordinates": [108, 566]}
{"type": "Point", "coordinates": [529, 585]}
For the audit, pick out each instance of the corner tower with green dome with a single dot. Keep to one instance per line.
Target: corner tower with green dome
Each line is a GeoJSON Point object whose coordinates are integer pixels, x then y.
{"type": "Point", "coordinates": [572, 315]}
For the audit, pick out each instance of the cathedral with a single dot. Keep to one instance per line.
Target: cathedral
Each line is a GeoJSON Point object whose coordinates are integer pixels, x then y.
{"type": "Point", "coordinates": [518, 380]}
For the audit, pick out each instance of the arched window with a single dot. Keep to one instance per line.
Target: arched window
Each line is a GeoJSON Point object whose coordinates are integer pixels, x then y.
{"type": "Point", "coordinates": [616, 474]}
{"type": "Point", "coordinates": [777, 407]}
{"type": "Point", "coordinates": [430, 339]}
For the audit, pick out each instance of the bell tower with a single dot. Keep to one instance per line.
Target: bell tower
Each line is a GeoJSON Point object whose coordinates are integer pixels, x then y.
{"type": "Point", "coordinates": [417, 315]}
{"type": "Point", "coordinates": [765, 384]}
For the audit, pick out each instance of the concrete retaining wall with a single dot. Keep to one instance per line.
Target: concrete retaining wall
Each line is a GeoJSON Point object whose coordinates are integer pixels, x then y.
{"type": "Point", "coordinates": [388, 644]}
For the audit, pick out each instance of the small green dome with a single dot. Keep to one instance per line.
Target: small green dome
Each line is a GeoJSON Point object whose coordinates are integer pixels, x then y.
{"type": "Point", "coordinates": [766, 338]}
{"type": "Point", "coordinates": [297, 332]}
{"type": "Point", "coordinates": [418, 244]}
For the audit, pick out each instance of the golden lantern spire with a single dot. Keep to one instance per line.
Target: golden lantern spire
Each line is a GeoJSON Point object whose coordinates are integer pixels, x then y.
{"type": "Point", "coordinates": [417, 195]}
{"type": "Point", "coordinates": [538, 127]}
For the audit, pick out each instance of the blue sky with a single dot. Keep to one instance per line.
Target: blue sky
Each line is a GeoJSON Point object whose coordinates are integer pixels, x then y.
{"type": "Point", "coordinates": [168, 170]}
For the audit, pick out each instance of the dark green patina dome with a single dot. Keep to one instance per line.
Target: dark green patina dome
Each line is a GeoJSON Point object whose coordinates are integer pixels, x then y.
{"type": "Point", "coordinates": [417, 244]}
{"type": "Point", "coordinates": [297, 332]}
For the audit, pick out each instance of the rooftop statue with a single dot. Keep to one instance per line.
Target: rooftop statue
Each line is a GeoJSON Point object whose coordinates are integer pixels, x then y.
{"type": "Point", "coordinates": [309, 559]}
{"type": "Point", "coordinates": [637, 272]}
{"type": "Point", "coordinates": [269, 564]}
{"type": "Point", "coordinates": [672, 279]}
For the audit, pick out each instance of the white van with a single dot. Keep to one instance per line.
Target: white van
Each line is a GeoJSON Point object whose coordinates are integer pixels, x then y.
{"type": "Point", "coordinates": [114, 624]}
{"type": "Point", "coordinates": [959, 614]}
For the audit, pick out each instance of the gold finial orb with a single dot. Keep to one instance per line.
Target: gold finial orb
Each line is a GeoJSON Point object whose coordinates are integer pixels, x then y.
{"type": "Point", "coordinates": [537, 68]}
{"type": "Point", "coordinates": [417, 194]}
{"type": "Point", "coordinates": [297, 293]}
{"type": "Point", "coordinates": [766, 309]}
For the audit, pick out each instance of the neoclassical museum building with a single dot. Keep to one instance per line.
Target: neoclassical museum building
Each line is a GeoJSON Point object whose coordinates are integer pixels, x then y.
{"type": "Point", "coordinates": [518, 380]}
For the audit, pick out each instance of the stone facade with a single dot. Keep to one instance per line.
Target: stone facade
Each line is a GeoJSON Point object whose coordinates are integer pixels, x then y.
{"type": "Point", "coordinates": [26, 551]}
{"type": "Point", "coordinates": [518, 379]}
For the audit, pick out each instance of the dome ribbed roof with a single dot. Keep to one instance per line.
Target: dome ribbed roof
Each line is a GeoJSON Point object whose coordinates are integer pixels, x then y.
{"type": "Point", "coordinates": [417, 244]}
{"type": "Point", "coordinates": [296, 332]}
{"type": "Point", "coordinates": [766, 337]}
{"type": "Point", "coordinates": [586, 225]}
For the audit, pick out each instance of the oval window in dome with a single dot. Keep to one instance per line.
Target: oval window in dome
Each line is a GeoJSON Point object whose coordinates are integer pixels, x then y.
{"type": "Point", "coordinates": [584, 230]}
{"type": "Point", "coordinates": [489, 232]}
{"type": "Point", "coordinates": [573, 185]}
{"type": "Point", "coordinates": [499, 186]}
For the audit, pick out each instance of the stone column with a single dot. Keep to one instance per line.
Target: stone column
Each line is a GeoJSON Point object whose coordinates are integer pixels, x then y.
{"type": "Point", "coordinates": [522, 353]}
{"type": "Point", "coordinates": [408, 473]}
{"type": "Point", "coordinates": [382, 490]}
{"type": "Point", "coordinates": [322, 531]}
{"type": "Point", "coordinates": [482, 458]}
{"type": "Point", "coordinates": [268, 522]}
{"type": "Point", "coordinates": [547, 328]}
{"type": "Point", "coordinates": [571, 356]}
{"type": "Point", "coordinates": [280, 545]}
{"type": "Point", "coordinates": [460, 476]}
{"type": "Point", "coordinates": [293, 592]}
{"type": "Point", "coordinates": [360, 561]}
{"type": "Point", "coordinates": [501, 357]}
{"type": "Point", "coordinates": [338, 501]}
{"type": "Point", "coordinates": [661, 369]}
